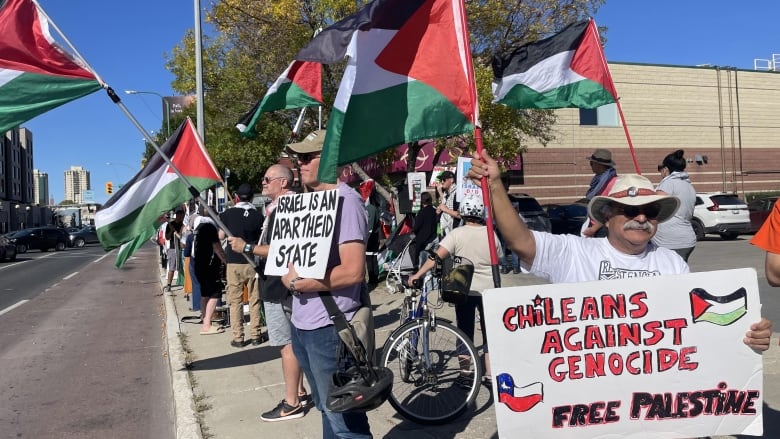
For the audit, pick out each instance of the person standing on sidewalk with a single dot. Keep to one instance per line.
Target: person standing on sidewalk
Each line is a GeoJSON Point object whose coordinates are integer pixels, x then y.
{"type": "Point", "coordinates": [277, 302]}
{"type": "Point", "coordinates": [768, 239]}
{"type": "Point", "coordinates": [447, 208]}
{"type": "Point", "coordinates": [208, 258]}
{"type": "Point", "coordinates": [245, 222]}
{"type": "Point", "coordinates": [677, 234]}
{"type": "Point", "coordinates": [631, 211]}
{"type": "Point", "coordinates": [604, 176]}
{"type": "Point", "coordinates": [173, 231]}
{"type": "Point", "coordinates": [314, 338]}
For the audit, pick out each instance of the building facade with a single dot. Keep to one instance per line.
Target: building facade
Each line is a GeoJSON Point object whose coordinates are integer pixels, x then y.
{"type": "Point", "coordinates": [76, 182]}
{"type": "Point", "coordinates": [40, 188]}
{"type": "Point", "coordinates": [16, 179]}
{"type": "Point", "coordinates": [726, 120]}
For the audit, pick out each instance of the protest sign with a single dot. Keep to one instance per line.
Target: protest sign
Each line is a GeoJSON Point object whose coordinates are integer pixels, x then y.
{"type": "Point", "coordinates": [466, 187]}
{"type": "Point", "coordinates": [303, 230]}
{"type": "Point", "coordinates": [657, 357]}
{"type": "Point", "coordinates": [416, 183]}
{"type": "Point", "coordinates": [438, 169]}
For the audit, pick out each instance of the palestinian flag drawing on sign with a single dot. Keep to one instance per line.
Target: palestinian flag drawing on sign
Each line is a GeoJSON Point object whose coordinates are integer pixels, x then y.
{"type": "Point", "coordinates": [719, 310]}
{"type": "Point", "coordinates": [406, 78]}
{"type": "Point", "coordinates": [567, 69]}
{"type": "Point", "coordinates": [36, 74]}
{"type": "Point", "coordinates": [157, 189]}
{"type": "Point", "coordinates": [298, 86]}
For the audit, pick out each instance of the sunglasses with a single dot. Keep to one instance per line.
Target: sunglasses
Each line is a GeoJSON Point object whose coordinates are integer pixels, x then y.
{"type": "Point", "coordinates": [307, 157]}
{"type": "Point", "coordinates": [650, 211]}
{"type": "Point", "coordinates": [267, 180]}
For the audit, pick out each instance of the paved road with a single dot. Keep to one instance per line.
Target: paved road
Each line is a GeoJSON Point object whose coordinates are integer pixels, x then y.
{"type": "Point", "coordinates": [86, 356]}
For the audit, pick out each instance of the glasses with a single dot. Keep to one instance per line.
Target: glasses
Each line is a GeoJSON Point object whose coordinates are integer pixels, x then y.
{"type": "Point", "coordinates": [661, 167]}
{"type": "Point", "coordinates": [650, 211]}
{"type": "Point", "coordinates": [267, 180]}
{"type": "Point", "coordinates": [307, 157]}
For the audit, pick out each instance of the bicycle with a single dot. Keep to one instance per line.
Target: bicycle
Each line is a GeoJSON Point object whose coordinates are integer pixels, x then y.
{"type": "Point", "coordinates": [436, 370]}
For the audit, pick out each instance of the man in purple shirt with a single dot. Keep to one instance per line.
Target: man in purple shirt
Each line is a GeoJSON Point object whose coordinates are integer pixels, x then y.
{"type": "Point", "coordinates": [314, 338]}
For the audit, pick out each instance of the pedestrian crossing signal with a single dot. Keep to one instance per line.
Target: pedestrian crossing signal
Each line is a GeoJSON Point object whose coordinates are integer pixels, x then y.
{"type": "Point", "coordinates": [109, 188]}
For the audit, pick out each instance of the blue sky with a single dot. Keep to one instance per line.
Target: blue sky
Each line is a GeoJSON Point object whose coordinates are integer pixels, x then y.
{"type": "Point", "coordinates": [125, 41]}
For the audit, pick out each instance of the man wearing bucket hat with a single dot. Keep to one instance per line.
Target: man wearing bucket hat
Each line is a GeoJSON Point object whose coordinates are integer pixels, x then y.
{"type": "Point", "coordinates": [631, 212]}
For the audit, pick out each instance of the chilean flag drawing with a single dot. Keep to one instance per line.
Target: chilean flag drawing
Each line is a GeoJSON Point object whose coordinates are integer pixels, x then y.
{"type": "Point", "coordinates": [506, 393]}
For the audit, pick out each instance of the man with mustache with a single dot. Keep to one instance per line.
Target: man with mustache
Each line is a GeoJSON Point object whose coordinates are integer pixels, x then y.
{"type": "Point", "coordinates": [631, 211]}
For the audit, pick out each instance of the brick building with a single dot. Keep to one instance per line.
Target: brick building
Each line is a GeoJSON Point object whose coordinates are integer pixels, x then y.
{"type": "Point", "coordinates": [727, 121]}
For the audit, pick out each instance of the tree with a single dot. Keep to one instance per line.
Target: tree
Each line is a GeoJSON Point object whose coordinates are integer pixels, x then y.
{"type": "Point", "coordinates": [255, 41]}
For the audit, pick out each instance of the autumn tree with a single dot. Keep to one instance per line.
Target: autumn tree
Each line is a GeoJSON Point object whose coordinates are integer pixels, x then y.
{"type": "Point", "coordinates": [254, 41]}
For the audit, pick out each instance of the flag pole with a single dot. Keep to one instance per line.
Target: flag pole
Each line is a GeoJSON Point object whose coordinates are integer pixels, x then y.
{"type": "Point", "coordinates": [614, 92]}
{"type": "Point", "coordinates": [478, 141]}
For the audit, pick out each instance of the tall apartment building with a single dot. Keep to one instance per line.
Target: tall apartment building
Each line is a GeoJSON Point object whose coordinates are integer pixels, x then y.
{"type": "Point", "coordinates": [40, 188]}
{"type": "Point", "coordinates": [16, 176]}
{"type": "Point", "coordinates": [76, 182]}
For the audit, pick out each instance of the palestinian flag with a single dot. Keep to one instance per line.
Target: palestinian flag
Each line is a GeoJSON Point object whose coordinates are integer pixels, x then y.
{"type": "Point", "coordinates": [157, 189]}
{"type": "Point", "coordinates": [719, 310]}
{"type": "Point", "coordinates": [36, 75]}
{"type": "Point", "coordinates": [406, 78]}
{"type": "Point", "coordinates": [129, 248]}
{"type": "Point", "coordinates": [567, 69]}
{"type": "Point", "coordinates": [299, 86]}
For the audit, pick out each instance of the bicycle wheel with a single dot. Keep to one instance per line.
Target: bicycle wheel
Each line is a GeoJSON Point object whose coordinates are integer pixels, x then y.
{"type": "Point", "coordinates": [440, 389]}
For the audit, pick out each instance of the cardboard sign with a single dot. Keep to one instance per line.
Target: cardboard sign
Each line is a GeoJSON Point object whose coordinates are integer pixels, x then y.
{"type": "Point", "coordinates": [438, 169]}
{"type": "Point", "coordinates": [416, 183]}
{"type": "Point", "coordinates": [304, 225]}
{"type": "Point", "coordinates": [657, 357]}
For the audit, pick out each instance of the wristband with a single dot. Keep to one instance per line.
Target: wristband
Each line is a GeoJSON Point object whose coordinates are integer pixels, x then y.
{"type": "Point", "coordinates": [294, 291]}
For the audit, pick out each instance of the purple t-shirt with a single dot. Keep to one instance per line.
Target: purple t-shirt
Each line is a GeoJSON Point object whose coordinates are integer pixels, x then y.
{"type": "Point", "coordinates": [308, 311]}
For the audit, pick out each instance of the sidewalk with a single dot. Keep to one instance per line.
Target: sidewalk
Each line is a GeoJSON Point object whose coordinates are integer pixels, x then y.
{"type": "Point", "coordinates": [225, 389]}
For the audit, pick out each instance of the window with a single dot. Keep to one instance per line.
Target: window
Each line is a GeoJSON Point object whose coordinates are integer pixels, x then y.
{"type": "Point", "coordinates": [603, 116]}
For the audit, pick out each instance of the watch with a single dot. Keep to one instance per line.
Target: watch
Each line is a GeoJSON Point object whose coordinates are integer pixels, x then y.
{"type": "Point", "coordinates": [249, 248]}
{"type": "Point", "coordinates": [292, 288]}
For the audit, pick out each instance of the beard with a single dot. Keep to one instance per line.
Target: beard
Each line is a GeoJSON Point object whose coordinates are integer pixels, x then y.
{"type": "Point", "coordinates": [636, 225]}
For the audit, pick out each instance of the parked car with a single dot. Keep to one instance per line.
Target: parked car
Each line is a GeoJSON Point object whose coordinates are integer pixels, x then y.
{"type": "Point", "coordinates": [532, 212]}
{"type": "Point", "coordinates": [760, 208]}
{"type": "Point", "coordinates": [80, 237]}
{"type": "Point", "coordinates": [7, 249]}
{"type": "Point", "coordinates": [39, 238]}
{"type": "Point", "coordinates": [720, 213]}
{"type": "Point", "coordinates": [567, 218]}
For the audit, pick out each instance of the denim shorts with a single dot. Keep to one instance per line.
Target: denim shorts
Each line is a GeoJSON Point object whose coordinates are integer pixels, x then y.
{"type": "Point", "coordinates": [277, 320]}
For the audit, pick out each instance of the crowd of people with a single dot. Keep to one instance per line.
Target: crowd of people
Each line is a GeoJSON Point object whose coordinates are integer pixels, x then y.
{"type": "Point", "coordinates": [634, 226]}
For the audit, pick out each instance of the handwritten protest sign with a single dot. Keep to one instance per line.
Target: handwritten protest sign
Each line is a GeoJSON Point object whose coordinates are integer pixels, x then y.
{"type": "Point", "coordinates": [303, 230]}
{"type": "Point", "coordinates": [658, 357]}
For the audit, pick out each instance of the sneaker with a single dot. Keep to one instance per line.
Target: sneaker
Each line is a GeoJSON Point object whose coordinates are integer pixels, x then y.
{"type": "Point", "coordinates": [167, 289]}
{"type": "Point", "coordinates": [283, 412]}
{"type": "Point", "coordinates": [237, 343]}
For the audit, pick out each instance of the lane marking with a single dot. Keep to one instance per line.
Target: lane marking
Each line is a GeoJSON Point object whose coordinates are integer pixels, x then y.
{"type": "Point", "coordinates": [70, 275]}
{"type": "Point", "coordinates": [16, 305]}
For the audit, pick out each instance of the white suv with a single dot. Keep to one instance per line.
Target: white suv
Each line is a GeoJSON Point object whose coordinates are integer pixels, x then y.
{"type": "Point", "coordinates": [721, 213]}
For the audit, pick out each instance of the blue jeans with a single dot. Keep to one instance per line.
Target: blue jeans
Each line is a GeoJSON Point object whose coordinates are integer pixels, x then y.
{"type": "Point", "coordinates": [317, 352]}
{"type": "Point", "coordinates": [195, 286]}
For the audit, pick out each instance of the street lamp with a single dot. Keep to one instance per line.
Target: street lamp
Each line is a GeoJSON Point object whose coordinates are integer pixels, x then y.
{"type": "Point", "coordinates": [165, 103]}
{"type": "Point", "coordinates": [17, 216]}
{"type": "Point", "coordinates": [27, 215]}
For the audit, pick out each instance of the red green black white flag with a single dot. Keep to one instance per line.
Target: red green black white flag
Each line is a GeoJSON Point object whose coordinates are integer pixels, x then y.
{"type": "Point", "coordinates": [131, 211]}
{"type": "Point", "coordinates": [565, 70]}
{"type": "Point", "coordinates": [36, 74]}
{"type": "Point", "coordinates": [406, 78]}
{"type": "Point", "coordinates": [298, 86]}
{"type": "Point", "coordinates": [718, 310]}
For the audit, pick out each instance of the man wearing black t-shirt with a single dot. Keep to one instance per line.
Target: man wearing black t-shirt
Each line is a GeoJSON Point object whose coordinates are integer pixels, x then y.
{"type": "Point", "coordinates": [243, 221]}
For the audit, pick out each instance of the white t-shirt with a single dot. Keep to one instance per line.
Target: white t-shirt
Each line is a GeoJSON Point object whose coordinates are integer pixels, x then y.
{"type": "Point", "coordinates": [569, 258]}
{"type": "Point", "coordinates": [471, 242]}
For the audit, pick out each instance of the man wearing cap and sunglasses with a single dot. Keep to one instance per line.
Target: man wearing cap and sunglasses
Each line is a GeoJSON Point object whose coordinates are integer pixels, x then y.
{"type": "Point", "coordinates": [315, 340]}
{"type": "Point", "coordinates": [631, 212]}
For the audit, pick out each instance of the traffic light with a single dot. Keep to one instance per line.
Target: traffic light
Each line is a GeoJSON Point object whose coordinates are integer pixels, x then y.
{"type": "Point", "coordinates": [109, 188]}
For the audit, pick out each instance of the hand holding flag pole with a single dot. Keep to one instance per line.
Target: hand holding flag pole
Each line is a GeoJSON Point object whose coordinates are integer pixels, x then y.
{"type": "Point", "coordinates": [478, 141]}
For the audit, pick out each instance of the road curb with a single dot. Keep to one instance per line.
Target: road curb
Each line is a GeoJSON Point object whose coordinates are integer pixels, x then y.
{"type": "Point", "coordinates": [185, 415]}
